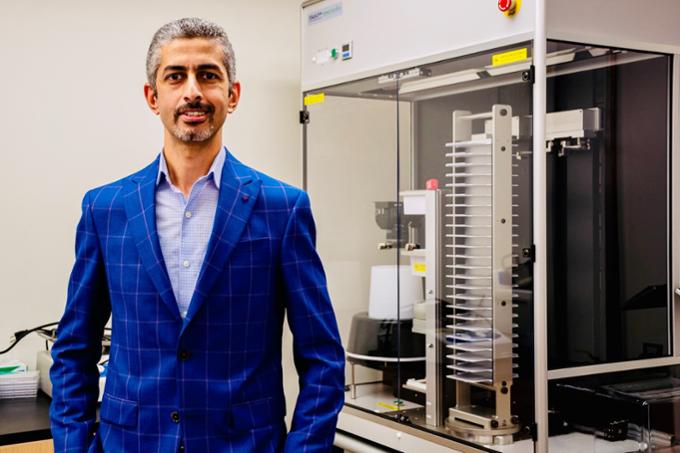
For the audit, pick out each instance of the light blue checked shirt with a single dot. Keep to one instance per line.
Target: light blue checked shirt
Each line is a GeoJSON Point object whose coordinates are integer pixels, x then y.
{"type": "Point", "coordinates": [184, 226]}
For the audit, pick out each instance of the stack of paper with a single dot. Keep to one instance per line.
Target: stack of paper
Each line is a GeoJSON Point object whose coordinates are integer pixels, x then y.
{"type": "Point", "coordinates": [16, 381]}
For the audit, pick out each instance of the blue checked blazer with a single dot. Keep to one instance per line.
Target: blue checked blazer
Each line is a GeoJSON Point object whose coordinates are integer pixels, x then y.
{"type": "Point", "coordinates": [213, 381]}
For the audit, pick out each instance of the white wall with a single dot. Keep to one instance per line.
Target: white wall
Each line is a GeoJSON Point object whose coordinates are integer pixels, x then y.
{"type": "Point", "coordinates": [73, 117]}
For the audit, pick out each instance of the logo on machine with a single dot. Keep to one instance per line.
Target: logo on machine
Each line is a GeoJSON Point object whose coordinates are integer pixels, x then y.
{"type": "Point", "coordinates": [325, 13]}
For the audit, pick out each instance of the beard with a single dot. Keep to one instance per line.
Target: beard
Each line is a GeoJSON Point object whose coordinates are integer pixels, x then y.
{"type": "Point", "coordinates": [191, 135]}
{"type": "Point", "coordinates": [194, 136]}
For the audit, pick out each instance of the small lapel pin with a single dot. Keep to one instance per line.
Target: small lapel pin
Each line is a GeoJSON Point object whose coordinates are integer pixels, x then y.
{"type": "Point", "coordinates": [245, 197]}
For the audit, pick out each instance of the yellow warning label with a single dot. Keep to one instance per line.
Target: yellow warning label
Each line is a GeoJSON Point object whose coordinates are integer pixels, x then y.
{"type": "Point", "coordinates": [512, 56]}
{"type": "Point", "coordinates": [316, 98]}
{"type": "Point", "coordinates": [420, 268]}
{"type": "Point", "coordinates": [391, 407]}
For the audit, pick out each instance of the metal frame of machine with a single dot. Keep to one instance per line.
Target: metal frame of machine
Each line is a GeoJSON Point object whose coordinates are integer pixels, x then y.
{"type": "Point", "coordinates": [607, 23]}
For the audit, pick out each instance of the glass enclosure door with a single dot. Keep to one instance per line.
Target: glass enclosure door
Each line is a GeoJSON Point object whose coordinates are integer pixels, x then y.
{"type": "Point", "coordinates": [352, 165]}
{"type": "Point", "coordinates": [420, 180]}
{"type": "Point", "coordinates": [608, 206]}
{"type": "Point", "coordinates": [609, 296]}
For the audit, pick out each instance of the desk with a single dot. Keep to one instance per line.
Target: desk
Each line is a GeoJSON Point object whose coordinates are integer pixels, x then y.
{"type": "Point", "coordinates": [25, 425]}
{"type": "Point", "coordinates": [25, 422]}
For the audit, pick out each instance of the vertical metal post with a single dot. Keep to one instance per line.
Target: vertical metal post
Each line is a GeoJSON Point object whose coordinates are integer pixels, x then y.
{"type": "Point", "coordinates": [502, 259]}
{"type": "Point", "coordinates": [674, 214]}
{"type": "Point", "coordinates": [540, 232]}
{"type": "Point", "coordinates": [353, 383]}
{"type": "Point", "coordinates": [433, 345]}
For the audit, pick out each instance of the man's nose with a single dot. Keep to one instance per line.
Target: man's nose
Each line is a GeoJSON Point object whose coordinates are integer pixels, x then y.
{"type": "Point", "coordinates": [192, 92]}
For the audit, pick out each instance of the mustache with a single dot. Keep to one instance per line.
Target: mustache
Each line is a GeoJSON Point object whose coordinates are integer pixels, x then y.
{"type": "Point", "coordinates": [194, 106]}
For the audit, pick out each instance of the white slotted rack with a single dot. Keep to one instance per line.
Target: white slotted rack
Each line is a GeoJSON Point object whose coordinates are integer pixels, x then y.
{"type": "Point", "coordinates": [479, 327]}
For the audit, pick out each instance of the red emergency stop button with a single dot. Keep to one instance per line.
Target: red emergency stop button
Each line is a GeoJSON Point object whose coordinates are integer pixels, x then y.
{"type": "Point", "coordinates": [507, 6]}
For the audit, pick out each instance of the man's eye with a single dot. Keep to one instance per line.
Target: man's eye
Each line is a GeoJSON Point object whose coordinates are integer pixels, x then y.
{"type": "Point", "coordinates": [174, 77]}
{"type": "Point", "coordinates": [210, 76]}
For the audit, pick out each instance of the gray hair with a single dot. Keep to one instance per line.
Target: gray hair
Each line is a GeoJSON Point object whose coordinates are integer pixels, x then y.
{"type": "Point", "coordinates": [189, 27]}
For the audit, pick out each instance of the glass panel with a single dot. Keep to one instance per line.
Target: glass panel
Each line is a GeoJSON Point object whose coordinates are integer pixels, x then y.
{"type": "Point", "coordinates": [351, 171]}
{"type": "Point", "coordinates": [434, 163]}
{"type": "Point", "coordinates": [607, 206]}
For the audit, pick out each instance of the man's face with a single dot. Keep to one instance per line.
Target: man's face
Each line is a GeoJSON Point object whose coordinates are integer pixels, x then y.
{"type": "Point", "coordinates": [192, 93]}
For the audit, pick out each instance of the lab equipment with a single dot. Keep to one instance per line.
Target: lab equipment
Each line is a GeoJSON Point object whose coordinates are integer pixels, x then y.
{"type": "Point", "coordinates": [20, 382]}
{"type": "Point", "coordinates": [383, 337]}
{"type": "Point", "coordinates": [44, 361]}
{"type": "Point", "coordinates": [518, 159]}
{"type": "Point", "coordinates": [16, 381]}
{"type": "Point", "coordinates": [388, 284]}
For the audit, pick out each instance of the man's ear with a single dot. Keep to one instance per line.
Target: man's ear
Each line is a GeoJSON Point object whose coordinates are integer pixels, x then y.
{"type": "Point", "coordinates": [151, 98]}
{"type": "Point", "coordinates": [234, 96]}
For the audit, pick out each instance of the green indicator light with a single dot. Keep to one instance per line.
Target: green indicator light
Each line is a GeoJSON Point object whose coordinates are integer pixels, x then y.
{"type": "Point", "coordinates": [334, 53]}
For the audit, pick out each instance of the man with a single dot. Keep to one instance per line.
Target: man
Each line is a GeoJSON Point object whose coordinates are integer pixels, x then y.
{"type": "Point", "coordinates": [196, 258]}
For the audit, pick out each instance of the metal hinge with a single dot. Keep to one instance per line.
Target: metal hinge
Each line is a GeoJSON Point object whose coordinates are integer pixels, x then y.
{"type": "Point", "coordinates": [304, 116]}
{"type": "Point", "coordinates": [529, 75]}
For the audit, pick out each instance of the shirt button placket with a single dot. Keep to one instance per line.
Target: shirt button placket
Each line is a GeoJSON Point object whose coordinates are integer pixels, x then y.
{"type": "Point", "coordinates": [185, 263]}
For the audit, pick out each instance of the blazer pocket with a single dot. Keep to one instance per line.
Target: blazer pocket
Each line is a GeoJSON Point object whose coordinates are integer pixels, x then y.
{"type": "Point", "coordinates": [118, 411]}
{"type": "Point", "coordinates": [256, 413]}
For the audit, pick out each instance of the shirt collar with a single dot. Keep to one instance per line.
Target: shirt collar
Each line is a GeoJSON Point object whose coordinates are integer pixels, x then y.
{"type": "Point", "coordinates": [215, 169]}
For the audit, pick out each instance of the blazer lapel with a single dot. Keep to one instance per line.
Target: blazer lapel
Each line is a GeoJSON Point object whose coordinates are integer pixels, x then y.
{"type": "Point", "coordinates": [140, 207]}
{"type": "Point", "coordinates": [239, 189]}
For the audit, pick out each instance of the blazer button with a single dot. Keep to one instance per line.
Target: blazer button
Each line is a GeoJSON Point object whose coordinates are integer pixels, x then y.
{"type": "Point", "coordinates": [174, 415]}
{"type": "Point", "coordinates": [183, 354]}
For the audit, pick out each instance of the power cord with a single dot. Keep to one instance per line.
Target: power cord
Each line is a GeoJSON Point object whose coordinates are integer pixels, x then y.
{"type": "Point", "coordinates": [44, 329]}
{"type": "Point", "coordinates": [18, 336]}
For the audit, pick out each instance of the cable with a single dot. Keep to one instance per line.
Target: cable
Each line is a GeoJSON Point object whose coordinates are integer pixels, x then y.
{"type": "Point", "coordinates": [18, 336]}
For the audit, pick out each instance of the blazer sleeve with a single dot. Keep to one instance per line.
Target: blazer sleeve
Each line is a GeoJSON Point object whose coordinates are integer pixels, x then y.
{"type": "Point", "coordinates": [74, 373]}
{"type": "Point", "coordinates": [317, 350]}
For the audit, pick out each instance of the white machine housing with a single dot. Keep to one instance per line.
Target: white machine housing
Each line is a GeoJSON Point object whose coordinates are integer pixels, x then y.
{"type": "Point", "coordinates": [346, 40]}
{"type": "Point", "coordinates": [389, 35]}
